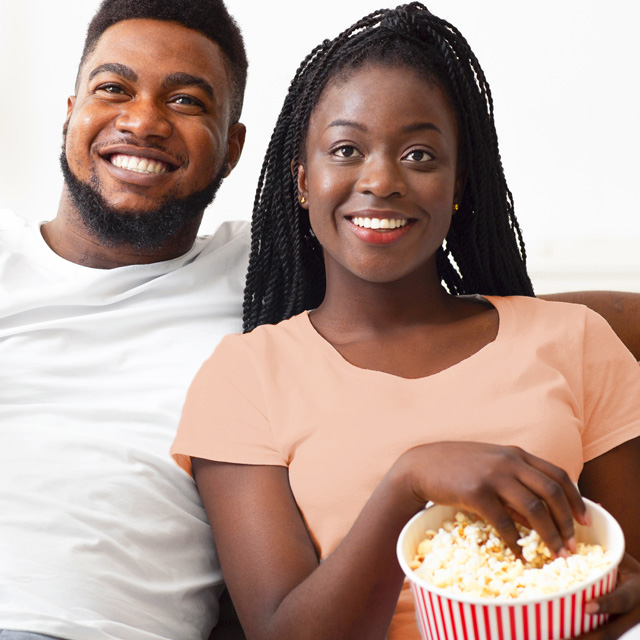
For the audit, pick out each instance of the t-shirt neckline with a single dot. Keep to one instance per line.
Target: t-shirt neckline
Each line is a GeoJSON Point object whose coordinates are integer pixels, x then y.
{"type": "Point", "coordinates": [57, 262]}
{"type": "Point", "coordinates": [333, 354]}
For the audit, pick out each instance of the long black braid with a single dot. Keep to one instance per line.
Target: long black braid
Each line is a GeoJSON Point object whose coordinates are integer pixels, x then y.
{"type": "Point", "coordinates": [483, 252]}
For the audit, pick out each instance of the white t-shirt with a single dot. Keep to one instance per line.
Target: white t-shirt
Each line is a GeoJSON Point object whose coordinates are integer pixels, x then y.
{"type": "Point", "coordinates": [102, 536]}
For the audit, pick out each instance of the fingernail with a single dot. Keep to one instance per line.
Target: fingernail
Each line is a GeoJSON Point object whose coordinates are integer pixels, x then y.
{"type": "Point", "coordinates": [585, 519]}
{"type": "Point", "coordinates": [591, 607]}
{"type": "Point", "coordinates": [563, 553]}
{"type": "Point", "coordinates": [572, 545]}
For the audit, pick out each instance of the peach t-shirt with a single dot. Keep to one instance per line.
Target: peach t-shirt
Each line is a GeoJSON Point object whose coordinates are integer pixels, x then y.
{"type": "Point", "coordinates": [556, 381]}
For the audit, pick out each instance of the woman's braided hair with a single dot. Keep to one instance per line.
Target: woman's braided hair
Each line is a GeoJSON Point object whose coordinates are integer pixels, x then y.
{"type": "Point", "coordinates": [483, 251]}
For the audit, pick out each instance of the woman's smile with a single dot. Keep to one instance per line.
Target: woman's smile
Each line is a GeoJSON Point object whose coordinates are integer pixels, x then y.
{"type": "Point", "coordinates": [383, 227]}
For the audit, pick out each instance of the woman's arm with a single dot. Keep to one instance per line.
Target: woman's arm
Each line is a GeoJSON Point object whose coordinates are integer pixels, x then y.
{"type": "Point", "coordinates": [621, 310]}
{"type": "Point", "coordinates": [613, 480]}
{"type": "Point", "coordinates": [272, 571]}
{"type": "Point", "coordinates": [280, 589]}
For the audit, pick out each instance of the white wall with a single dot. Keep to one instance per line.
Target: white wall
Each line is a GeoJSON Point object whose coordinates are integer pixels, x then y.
{"type": "Point", "coordinates": [564, 80]}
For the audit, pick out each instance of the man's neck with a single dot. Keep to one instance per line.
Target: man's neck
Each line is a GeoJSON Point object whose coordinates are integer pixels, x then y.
{"type": "Point", "coordinates": [69, 237]}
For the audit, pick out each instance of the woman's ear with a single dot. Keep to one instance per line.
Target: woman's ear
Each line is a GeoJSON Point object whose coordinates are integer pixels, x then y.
{"type": "Point", "coordinates": [461, 179]}
{"type": "Point", "coordinates": [302, 187]}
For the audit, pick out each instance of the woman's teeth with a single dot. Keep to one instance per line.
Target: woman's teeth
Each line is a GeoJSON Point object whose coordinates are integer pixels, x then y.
{"type": "Point", "coordinates": [379, 223]}
{"type": "Point", "coordinates": [139, 165]}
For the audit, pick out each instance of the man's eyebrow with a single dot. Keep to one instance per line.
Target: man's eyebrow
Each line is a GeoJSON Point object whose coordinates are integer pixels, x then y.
{"type": "Point", "coordinates": [186, 79]}
{"type": "Point", "coordinates": [115, 67]}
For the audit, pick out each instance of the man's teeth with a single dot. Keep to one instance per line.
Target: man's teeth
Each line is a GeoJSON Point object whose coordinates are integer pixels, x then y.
{"type": "Point", "coordinates": [139, 165]}
{"type": "Point", "coordinates": [379, 223]}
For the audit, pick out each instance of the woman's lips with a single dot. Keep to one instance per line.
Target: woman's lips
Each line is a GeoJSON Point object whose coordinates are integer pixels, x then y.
{"type": "Point", "coordinates": [378, 223]}
{"type": "Point", "coordinates": [379, 230]}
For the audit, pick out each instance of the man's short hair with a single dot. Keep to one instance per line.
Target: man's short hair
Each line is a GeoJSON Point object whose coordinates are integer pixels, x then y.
{"type": "Point", "coordinates": [209, 17]}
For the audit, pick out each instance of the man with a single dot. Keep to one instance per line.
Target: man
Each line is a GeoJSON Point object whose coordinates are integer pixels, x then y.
{"type": "Point", "coordinates": [107, 312]}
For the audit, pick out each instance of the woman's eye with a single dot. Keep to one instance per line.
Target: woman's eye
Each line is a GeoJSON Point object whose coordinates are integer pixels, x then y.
{"type": "Point", "coordinates": [346, 151]}
{"type": "Point", "coordinates": [418, 155]}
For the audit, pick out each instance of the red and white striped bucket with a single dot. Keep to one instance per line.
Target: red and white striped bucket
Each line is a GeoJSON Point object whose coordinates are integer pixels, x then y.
{"type": "Point", "coordinates": [442, 615]}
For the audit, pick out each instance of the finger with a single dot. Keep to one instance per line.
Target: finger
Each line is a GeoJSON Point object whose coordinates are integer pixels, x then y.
{"type": "Point", "coordinates": [623, 604]}
{"type": "Point", "coordinates": [519, 518]}
{"type": "Point", "coordinates": [623, 599]}
{"type": "Point", "coordinates": [569, 490]}
{"type": "Point", "coordinates": [561, 498]}
{"type": "Point", "coordinates": [536, 512]}
{"type": "Point", "coordinates": [497, 515]}
{"type": "Point", "coordinates": [615, 627]}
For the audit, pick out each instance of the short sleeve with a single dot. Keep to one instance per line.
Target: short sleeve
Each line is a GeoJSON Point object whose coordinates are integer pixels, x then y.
{"type": "Point", "coordinates": [611, 389]}
{"type": "Point", "coordinates": [225, 414]}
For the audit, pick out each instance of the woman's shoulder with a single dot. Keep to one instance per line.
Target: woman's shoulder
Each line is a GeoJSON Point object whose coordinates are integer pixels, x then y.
{"type": "Point", "coordinates": [532, 309]}
{"type": "Point", "coordinates": [290, 329]}
{"type": "Point", "coordinates": [284, 339]}
{"type": "Point", "coordinates": [543, 321]}
{"type": "Point", "coordinates": [572, 325]}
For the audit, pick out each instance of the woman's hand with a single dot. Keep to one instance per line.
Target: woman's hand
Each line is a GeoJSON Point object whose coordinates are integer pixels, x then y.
{"type": "Point", "coordinates": [501, 484]}
{"type": "Point", "coordinates": [623, 604]}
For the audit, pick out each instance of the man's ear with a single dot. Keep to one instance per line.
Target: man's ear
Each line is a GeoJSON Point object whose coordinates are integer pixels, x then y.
{"type": "Point", "coordinates": [71, 103]}
{"type": "Point", "coordinates": [235, 143]}
{"type": "Point", "coordinates": [303, 191]}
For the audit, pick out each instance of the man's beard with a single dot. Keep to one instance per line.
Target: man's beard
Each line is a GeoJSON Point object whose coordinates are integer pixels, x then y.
{"type": "Point", "coordinates": [143, 230]}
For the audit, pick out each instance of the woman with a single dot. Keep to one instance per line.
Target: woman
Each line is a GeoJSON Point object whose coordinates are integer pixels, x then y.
{"type": "Point", "coordinates": [383, 220]}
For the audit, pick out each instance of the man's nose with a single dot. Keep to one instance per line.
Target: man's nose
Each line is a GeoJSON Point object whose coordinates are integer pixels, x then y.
{"type": "Point", "coordinates": [382, 176]}
{"type": "Point", "coordinates": [144, 118]}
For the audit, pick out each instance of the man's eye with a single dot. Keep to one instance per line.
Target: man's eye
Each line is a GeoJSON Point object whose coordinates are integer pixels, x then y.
{"type": "Point", "coordinates": [346, 151]}
{"type": "Point", "coordinates": [111, 88]}
{"type": "Point", "coordinates": [187, 101]}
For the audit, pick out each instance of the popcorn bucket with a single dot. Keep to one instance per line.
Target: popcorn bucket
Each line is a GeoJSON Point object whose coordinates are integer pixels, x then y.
{"type": "Point", "coordinates": [445, 615]}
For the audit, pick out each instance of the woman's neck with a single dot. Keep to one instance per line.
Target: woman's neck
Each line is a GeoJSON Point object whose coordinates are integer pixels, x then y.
{"type": "Point", "coordinates": [357, 305]}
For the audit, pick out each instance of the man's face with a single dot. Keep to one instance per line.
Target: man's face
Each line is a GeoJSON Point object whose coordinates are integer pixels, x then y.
{"type": "Point", "coordinates": [150, 121]}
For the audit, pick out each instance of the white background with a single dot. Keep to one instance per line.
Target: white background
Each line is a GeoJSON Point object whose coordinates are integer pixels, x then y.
{"type": "Point", "coordinates": [564, 77]}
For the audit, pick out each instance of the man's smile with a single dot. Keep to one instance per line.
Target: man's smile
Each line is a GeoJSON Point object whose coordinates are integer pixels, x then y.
{"type": "Point", "coordinates": [139, 165]}
{"type": "Point", "coordinates": [140, 160]}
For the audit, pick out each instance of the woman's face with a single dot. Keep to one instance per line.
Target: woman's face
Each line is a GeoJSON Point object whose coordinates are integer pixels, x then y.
{"type": "Point", "coordinates": [380, 174]}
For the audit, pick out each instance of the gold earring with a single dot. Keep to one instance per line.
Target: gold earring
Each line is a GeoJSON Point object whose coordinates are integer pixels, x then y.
{"type": "Point", "coordinates": [456, 206]}
{"type": "Point", "coordinates": [303, 200]}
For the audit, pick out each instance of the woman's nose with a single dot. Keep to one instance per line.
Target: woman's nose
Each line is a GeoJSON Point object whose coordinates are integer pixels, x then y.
{"type": "Point", "coordinates": [145, 119]}
{"type": "Point", "coordinates": [382, 177]}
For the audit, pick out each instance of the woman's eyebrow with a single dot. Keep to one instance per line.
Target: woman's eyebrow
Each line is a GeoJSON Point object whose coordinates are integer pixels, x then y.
{"type": "Point", "coordinates": [181, 78]}
{"type": "Point", "coordinates": [410, 128]}
{"type": "Point", "coordinates": [421, 126]}
{"type": "Point", "coordinates": [347, 123]}
{"type": "Point", "coordinates": [115, 67]}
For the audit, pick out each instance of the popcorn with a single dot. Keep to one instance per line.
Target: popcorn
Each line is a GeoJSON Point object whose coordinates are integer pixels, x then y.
{"type": "Point", "coordinates": [466, 555]}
